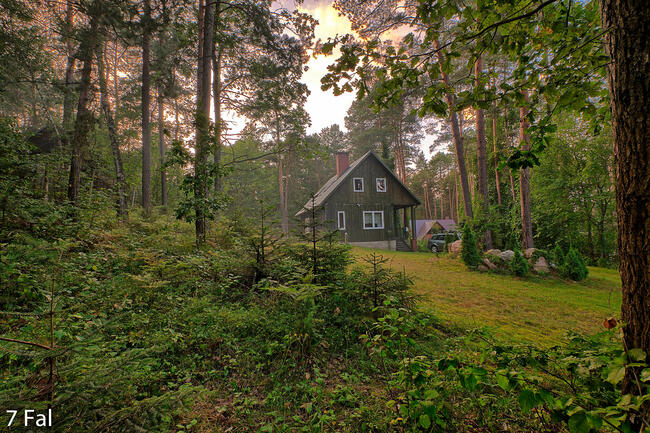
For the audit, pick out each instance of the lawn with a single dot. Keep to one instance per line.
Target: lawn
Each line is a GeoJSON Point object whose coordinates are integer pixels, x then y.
{"type": "Point", "coordinates": [533, 309]}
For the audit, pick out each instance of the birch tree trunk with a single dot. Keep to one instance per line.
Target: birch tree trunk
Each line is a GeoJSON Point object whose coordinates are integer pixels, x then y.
{"type": "Point", "coordinates": [524, 182]}
{"type": "Point", "coordinates": [162, 146]}
{"type": "Point", "coordinates": [216, 90]}
{"type": "Point", "coordinates": [122, 211]}
{"type": "Point", "coordinates": [146, 102]}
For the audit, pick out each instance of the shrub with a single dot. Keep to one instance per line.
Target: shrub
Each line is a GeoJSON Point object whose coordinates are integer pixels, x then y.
{"type": "Point", "coordinates": [557, 256]}
{"type": "Point", "coordinates": [332, 260]}
{"type": "Point", "coordinates": [574, 266]}
{"type": "Point", "coordinates": [469, 251]}
{"type": "Point", "coordinates": [377, 283]}
{"type": "Point", "coordinates": [519, 265]}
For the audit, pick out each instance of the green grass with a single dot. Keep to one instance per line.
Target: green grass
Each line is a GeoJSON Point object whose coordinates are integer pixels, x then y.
{"type": "Point", "coordinates": [534, 309]}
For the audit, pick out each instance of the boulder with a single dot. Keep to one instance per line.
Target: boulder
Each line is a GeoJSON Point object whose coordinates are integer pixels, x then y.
{"type": "Point", "coordinates": [482, 268]}
{"type": "Point", "coordinates": [489, 264]}
{"type": "Point", "coordinates": [540, 266]}
{"type": "Point", "coordinates": [455, 247]}
{"type": "Point", "coordinates": [507, 255]}
{"type": "Point", "coordinates": [493, 252]}
{"type": "Point", "coordinates": [528, 252]}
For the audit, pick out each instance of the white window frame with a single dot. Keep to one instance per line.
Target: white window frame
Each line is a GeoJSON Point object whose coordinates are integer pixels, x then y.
{"type": "Point", "coordinates": [377, 186]}
{"type": "Point", "coordinates": [338, 219]}
{"type": "Point", "coordinates": [373, 213]}
{"type": "Point", "coordinates": [354, 184]}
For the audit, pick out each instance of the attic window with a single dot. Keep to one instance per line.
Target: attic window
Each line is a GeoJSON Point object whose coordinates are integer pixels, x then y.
{"type": "Point", "coordinates": [373, 220]}
{"type": "Point", "coordinates": [381, 184]}
{"type": "Point", "coordinates": [358, 184]}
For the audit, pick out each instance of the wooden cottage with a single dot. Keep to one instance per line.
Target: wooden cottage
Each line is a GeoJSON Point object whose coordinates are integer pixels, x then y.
{"type": "Point", "coordinates": [367, 204]}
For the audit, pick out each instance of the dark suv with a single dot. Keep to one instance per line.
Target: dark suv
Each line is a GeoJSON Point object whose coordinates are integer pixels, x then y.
{"type": "Point", "coordinates": [436, 243]}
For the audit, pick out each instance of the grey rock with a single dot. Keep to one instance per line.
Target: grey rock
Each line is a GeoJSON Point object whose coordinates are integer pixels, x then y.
{"type": "Point", "coordinates": [540, 266]}
{"type": "Point", "coordinates": [489, 264]}
{"type": "Point", "coordinates": [455, 247]}
{"type": "Point", "coordinates": [507, 255]}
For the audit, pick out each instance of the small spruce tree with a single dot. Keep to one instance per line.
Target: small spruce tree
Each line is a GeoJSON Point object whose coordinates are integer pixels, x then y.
{"type": "Point", "coordinates": [574, 266]}
{"type": "Point", "coordinates": [469, 251]}
{"type": "Point", "coordinates": [558, 256]}
{"type": "Point", "coordinates": [519, 265]}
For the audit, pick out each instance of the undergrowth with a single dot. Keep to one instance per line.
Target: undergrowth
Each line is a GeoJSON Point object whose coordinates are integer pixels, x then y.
{"type": "Point", "coordinates": [150, 334]}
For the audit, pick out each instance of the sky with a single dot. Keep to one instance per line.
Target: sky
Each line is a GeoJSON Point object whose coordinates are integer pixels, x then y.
{"type": "Point", "coordinates": [324, 108]}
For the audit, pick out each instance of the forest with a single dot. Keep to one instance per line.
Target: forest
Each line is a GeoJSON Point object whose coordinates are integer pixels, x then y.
{"type": "Point", "coordinates": [154, 276]}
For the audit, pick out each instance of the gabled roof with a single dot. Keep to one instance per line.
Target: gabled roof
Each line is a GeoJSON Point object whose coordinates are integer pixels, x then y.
{"type": "Point", "coordinates": [335, 181]}
{"type": "Point", "coordinates": [447, 224]}
{"type": "Point", "coordinates": [422, 227]}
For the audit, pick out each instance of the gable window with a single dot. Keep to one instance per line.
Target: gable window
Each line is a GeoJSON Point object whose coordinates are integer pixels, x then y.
{"type": "Point", "coordinates": [381, 184]}
{"type": "Point", "coordinates": [373, 220]}
{"type": "Point", "coordinates": [340, 216]}
{"type": "Point", "coordinates": [358, 184]}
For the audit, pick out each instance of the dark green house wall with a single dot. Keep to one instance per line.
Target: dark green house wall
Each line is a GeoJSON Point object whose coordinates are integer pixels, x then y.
{"type": "Point", "coordinates": [355, 203]}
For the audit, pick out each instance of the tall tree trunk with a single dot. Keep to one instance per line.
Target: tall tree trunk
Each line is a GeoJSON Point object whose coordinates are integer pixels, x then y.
{"type": "Point", "coordinates": [481, 154]}
{"type": "Point", "coordinates": [84, 116]}
{"type": "Point", "coordinates": [507, 141]}
{"type": "Point", "coordinates": [199, 51]}
{"type": "Point", "coordinates": [162, 146]}
{"type": "Point", "coordinates": [122, 211]}
{"type": "Point", "coordinates": [629, 88]}
{"type": "Point", "coordinates": [284, 213]}
{"type": "Point", "coordinates": [203, 122]}
{"type": "Point", "coordinates": [116, 80]}
{"type": "Point", "coordinates": [146, 102]}
{"type": "Point", "coordinates": [590, 237]}
{"type": "Point", "coordinates": [68, 97]}
{"type": "Point", "coordinates": [216, 90]}
{"type": "Point", "coordinates": [496, 155]}
{"type": "Point", "coordinates": [458, 140]}
{"type": "Point", "coordinates": [524, 182]}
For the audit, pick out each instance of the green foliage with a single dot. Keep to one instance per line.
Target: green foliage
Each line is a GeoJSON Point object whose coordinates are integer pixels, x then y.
{"type": "Point", "coordinates": [518, 265]}
{"type": "Point", "coordinates": [573, 384]}
{"type": "Point", "coordinates": [574, 266]}
{"type": "Point", "coordinates": [376, 283]}
{"type": "Point", "coordinates": [469, 252]}
{"type": "Point", "coordinates": [206, 204]}
{"type": "Point", "coordinates": [572, 193]}
{"type": "Point", "coordinates": [557, 256]}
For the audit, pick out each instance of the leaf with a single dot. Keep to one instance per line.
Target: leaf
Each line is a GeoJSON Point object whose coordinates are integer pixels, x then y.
{"type": "Point", "coordinates": [645, 375]}
{"type": "Point", "coordinates": [503, 382]}
{"type": "Point", "coordinates": [636, 354]}
{"type": "Point", "coordinates": [616, 375]}
{"type": "Point", "coordinates": [579, 423]}
{"type": "Point", "coordinates": [526, 400]}
{"type": "Point", "coordinates": [424, 421]}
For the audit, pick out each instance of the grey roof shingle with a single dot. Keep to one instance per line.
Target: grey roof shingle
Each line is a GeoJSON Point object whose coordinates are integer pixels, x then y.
{"type": "Point", "coordinates": [335, 181]}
